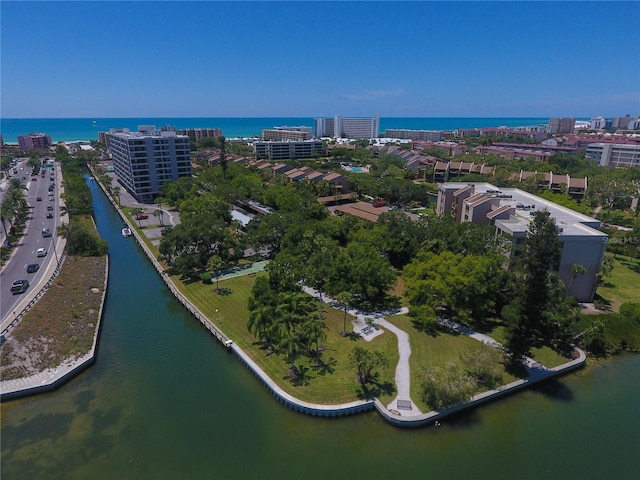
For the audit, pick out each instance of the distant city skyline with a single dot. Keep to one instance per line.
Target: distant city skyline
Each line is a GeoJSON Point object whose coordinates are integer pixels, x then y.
{"type": "Point", "coordinates": [319, 59]}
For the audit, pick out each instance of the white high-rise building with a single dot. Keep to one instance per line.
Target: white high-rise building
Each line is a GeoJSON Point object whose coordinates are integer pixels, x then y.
{"type": "Point", "coordinates": [146, 159]}
{"type": "Point", "coordinates": [339, 127]}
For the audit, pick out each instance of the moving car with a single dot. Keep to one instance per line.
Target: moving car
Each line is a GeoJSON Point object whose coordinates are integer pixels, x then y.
{"type": "Point", "coordinates": [19, 286]}
{"type": "Point", "coordinates": [38, 199]}
{"type": "Point", "coordinates": [32, 268]}
{"type": "Point", "coordinates": [41, 252]}
{"type": "Point", "coordinates": [49, 215]}
{"type": "Point", "coordinates": [46, 232]}
{"type": "Point", "coordinates": [49, 207]}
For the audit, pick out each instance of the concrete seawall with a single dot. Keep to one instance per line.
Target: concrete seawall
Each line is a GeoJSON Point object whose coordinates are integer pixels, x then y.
{"type": "Point", "coordinates": [51, 379]}
{"type": "Point", "coordinates": [351, 408]}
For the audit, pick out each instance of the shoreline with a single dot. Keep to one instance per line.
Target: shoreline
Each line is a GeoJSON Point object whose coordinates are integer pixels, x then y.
{"type": "Point", "coordinates": [389, 415]}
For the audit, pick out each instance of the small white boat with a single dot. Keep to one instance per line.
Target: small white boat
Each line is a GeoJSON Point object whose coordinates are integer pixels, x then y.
{"type": "Point", "coordinates": [126, 232]}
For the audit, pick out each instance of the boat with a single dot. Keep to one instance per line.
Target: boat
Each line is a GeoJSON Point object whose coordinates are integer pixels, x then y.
{"type": "Point", "coordinates": [126, 232]}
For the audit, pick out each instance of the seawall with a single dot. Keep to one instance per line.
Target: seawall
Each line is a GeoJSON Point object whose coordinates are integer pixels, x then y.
{"type": "Point", "coordinates": [346, 408]}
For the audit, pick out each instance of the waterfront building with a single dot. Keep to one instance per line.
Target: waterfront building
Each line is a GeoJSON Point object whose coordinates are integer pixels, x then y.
{"type": "Point", "coordinates": [34, 140]}
{"type": "Point", "coordinates": [625, 123]}
{"type": "Point", "coordinates": [421, 135]}
{"type": "Point", "coordinates": [288, 150]}
{"type": "Point", "coordinates": [197, 134]}
{"type": "Point", "coordinates": [510, 211]}
{"type": "Point", "coordinates": [561, 125]}
{"type": "Point", "coordinates": [598, 123]}
{"type": "Point", "coordinates": [614, 154]}
{"type": "Point", "coordinates": [339, 127]}
{"type": "Point", "coordinates": [285, 134]}
{"type": "Point", "coordinates": [144, 160]}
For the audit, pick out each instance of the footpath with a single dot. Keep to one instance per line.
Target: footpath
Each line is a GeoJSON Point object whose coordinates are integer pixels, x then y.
{"type": "Point", "coordinates": [402, 410]}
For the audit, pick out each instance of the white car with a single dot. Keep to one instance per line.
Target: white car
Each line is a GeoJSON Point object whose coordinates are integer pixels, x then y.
{"type": "Point", "coordinates": [41, 252]}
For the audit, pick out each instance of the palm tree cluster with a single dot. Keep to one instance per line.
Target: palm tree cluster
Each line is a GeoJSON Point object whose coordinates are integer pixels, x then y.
{"type": "Point", "coordinates": [288, 323]}
{"type": "Point", "coordinates": [14, 208]}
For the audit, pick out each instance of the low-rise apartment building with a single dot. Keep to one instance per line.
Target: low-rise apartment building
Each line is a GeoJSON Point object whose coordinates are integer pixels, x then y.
{"type": "Point", "coordinates": [510, 210]}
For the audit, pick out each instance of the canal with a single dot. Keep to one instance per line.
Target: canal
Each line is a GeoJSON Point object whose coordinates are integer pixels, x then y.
{"type": "Point", "coordinates": [166, 401]}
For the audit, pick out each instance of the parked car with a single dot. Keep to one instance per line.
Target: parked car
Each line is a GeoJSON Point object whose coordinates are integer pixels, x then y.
{"type": "Point", "coordinates": [38, 199]}
{"type": "Point", "coordinates": [41, 252]}
{"type": "Point", "coordinates": [142, 216]}
{"type": "Point", "coordinates": [19, 286]}
{"type": "Point", "coordinates": [33, 267]}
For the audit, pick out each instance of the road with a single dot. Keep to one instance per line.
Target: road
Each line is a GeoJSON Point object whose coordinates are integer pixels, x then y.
{"type": "Point", "coordinates": [30, 241]}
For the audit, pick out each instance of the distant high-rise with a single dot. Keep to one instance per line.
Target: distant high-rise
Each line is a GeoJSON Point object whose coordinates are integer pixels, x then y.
{"type": "Point", "coordinates": [561, 125]}
{"type": "Point", "coordinates": [146, 159]}
{"type": "Point", "coordinates": [339, 127]}
{"type": "Point", "coordinates": [287, 133]}
{"type": "Point", "coordinates": [197, 134]}
{"type": "Point", "coordinates": [598, 123]}
{"type": "Point", "coordinates": [34, 140]}
{"type": "Point", "coordinates": [419, 135]}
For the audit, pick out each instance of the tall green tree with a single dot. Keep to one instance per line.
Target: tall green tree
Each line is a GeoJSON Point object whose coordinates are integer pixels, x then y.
{"type": "Point", "coordinates": [532, 316]}
{"type": "Point", "coordinates": [345, 300]}
{"type": "Point", "coordinates": [366, 362]}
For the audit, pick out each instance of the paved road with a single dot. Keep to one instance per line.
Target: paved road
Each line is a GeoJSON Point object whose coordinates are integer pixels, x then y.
{"type": "Point", "coordinates": [24, 254]}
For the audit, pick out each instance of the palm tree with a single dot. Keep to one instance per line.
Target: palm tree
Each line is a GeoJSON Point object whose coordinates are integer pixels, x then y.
{"type": "Point", "coordinates": [261, 323]}
{"type": "Point", "coordinates": [159, 213]}
{"type": "Point", "coordinates": [116, 192]}
{"type": "Point", "coordinates": [6, 215]}
{"type": "Point", "coordinates": [290, 343]}
{"type": "Point", "coordinates": [345, 300]}
{"type": "Point", "coordinates": [314, 329]}
{"type": "Point", "coordinates": [215, 264]}
{"type": "Point", "coordinates": [576, 269]}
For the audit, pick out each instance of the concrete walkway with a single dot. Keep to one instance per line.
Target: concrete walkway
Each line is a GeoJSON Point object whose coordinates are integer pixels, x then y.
{"type": "Point", "coordinates": [368, 331]}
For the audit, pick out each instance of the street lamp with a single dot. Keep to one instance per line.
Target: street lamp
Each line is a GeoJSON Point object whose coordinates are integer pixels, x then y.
{"type": "Point", "coordinates": [217, 315]}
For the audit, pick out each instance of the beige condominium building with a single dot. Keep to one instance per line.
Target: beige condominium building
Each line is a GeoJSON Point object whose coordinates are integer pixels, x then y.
{"type": "Point", "coordinates": [510, 211]}
{"type": "Point", "coordinates": [614, 154]}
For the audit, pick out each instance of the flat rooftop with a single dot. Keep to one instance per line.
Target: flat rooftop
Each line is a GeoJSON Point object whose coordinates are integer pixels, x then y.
{"type": "Point", "coordinates": [526, 204]}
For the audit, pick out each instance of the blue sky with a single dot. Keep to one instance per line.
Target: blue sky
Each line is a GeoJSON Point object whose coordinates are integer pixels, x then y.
{"type": "Point", "coordinates": [393, 59]}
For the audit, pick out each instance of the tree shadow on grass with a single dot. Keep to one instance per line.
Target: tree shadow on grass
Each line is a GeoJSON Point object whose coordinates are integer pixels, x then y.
{"type": "Point", "coordinates": [375, 388]}
{"type": "Point", "coordinates": [224, 291]}
{"type": "Point", "coordinates": [300, 376]}
{"type": "Point", "coordinates": [326, 367]}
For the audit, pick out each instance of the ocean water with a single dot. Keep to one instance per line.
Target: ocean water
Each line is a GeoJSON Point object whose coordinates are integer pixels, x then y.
{"type": "Point", "coordinates": [70, 129]}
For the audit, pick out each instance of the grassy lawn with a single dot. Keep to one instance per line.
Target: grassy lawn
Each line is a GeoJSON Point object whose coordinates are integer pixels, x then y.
{"type": "Point", "coordinates": [623, 284]}
{"type": "Point", "coordinates": [430, 351]}
{"type": "Point", "coordinates": [333, 383]}
{"type": "Point", "coordinates": [545, 355]}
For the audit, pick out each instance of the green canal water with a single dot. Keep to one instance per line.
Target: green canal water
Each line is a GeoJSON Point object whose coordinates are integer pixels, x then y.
{"type": "Point", "coordinates": [166, 401]}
